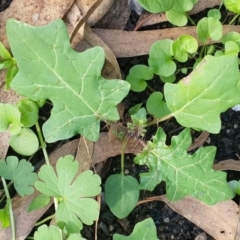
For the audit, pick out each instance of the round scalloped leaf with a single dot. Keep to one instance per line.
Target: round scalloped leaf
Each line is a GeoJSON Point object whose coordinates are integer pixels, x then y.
{"type": "Point", "coordinates": [156, 6]}
{"type": "Point", "coordinates": [232, 5]}
{"type": "Point", "coordinates": [156, 106]}
{"type": "Point", "coordinates": [121, 194]}
{"type": "Point", "coordinates": [25, 143]}
{"type": "Point", "coordinates": [182, 46]}
{"type": "Point", "coordinates": [29, 112]}
{"type": "Point", "coordinates": [169, 79]}
{"type": "Point", "coordinates": [209, 28]}
{"type": "Point", "coordinates": [137, 77]}
{"type": "Point", "coordinates": [10, 118]}
{"type": "Point", "coordinates": [177, 14]}
{"type": "Point", "coordinates": [215, 13]}
{"type": "Point", "coordinates": [231, 36]}
{"type": "Point", "coordinates": [231, 48]}
{"type": "Point", "coordinates": [52, 232]}
{"type": "Point", "coordinates": [160, 58]}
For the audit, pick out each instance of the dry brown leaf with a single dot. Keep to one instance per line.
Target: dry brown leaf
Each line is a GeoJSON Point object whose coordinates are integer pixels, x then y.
{"type": "Point", "coordinates": [229, 164]}
{"type": "Point", "coordinates": [84, 154]}
{"type": "Point", "coordinates": [84, 5]}
{"type": "Point", "coordinates": [129, 44]}
{"type": "Point", "coordinates": [147, 18]}
{"type": "Point", "coordinates": [220, 220]}
{"type": "Point", "coordinates": [199, 141]}
{"type": "Point", "coordinates": [111, 68]}
{"type": "Point", "coordinates": [33, 12]}
{"type": "Point", "coordinates": [116, 17]}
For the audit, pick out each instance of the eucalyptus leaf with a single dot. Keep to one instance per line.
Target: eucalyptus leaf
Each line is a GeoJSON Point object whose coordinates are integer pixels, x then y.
{"type": "Point", "coordinates": [72, 81]}
{"type": "Point", "coordinates": [197, 100]}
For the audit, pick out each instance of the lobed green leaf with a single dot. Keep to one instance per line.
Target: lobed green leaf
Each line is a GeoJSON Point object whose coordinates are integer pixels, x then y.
{"type": "Point", "coordinates": [198, 99]}
{"type": "Point", "coordinates": [75, 203]}
{"type": "Point", "coordinates": [20, 172]}
{"type": "Point", "coordinates": [50, 69]}
{"type": "Point", "coordinates": [145, 229]}
{"type": "Point", "coordinates": [183, 173]}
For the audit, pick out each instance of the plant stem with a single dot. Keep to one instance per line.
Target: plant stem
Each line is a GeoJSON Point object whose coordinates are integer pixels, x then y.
{"type": "Point", "coordinates": [190, 19]}
{"type": "Point", "coordinates": [235, 17]}
{"type": "Point", "coordinates": [156, 121]}
{"type": "Point", "coordinates": [44, 220]}
{"type": "Point", "coordinates": [42, 143]}
{"type": "Point", "coordinates": [9, 203]}
{"type": "Point", "coordinates": [124, 143]}
{"type": "Point", "coordinates": [43, 146]}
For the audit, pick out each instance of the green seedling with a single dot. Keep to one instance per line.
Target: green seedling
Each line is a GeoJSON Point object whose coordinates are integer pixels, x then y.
{"type": "Point", "coordinates": [231, 36]}
{"type": "Point", "coordinates": [177, 14]}
{"type": "Point", "coordinates": [160, 58]}
{"type": "Point", "coordinates": [235, 186]}
{"type": "Point", "coordinates": [137, 77]}
{"type": "Point", "coordinates": [209, 28]}
{"type": "Point", "coordinates": [142, 230]}
{"type": "Point", "coordinates": [7, 61]}
{"type": "Point", "coordinates": [22, 140]}
{"type": "Point", "coordinates": [232, 5]}
{"type": "Point", "coordinates": [156, 106]}
{"type": "Point", "coordinates": [136, 129]}
{"type": "Point", "coordinates": [215, 13]}
{"type": "Point", "coordinates": [29, 112]}
{"type": "Point", "coordinates": [183, 46]}
{"type": "Point", "coordinates": [157, 6]}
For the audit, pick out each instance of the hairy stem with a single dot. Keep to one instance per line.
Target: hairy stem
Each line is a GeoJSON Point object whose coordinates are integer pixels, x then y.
{"type": "Point", "coordinates": [9, 204]}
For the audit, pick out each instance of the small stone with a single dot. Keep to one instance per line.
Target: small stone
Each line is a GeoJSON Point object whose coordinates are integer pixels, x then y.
{"type": "Point", "coordinates": [201, 236]}
{"type": "Point", "coordinates": [126, 171]}
{"type": "Point", "coordinates": [166, 220]}
{"type": "Point", "coordinates": [111, 228]}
